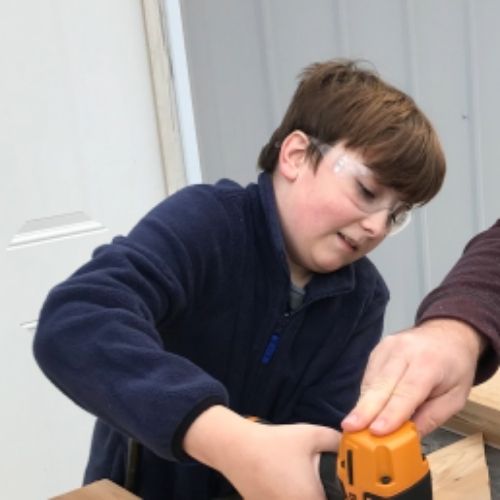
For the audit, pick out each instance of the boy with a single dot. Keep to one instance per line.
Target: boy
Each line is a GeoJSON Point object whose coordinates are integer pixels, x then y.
{"type": "Point", "coordinates": [227, 301]}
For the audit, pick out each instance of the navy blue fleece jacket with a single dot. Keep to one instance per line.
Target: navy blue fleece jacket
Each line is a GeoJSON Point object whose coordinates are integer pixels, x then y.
{"type": "Point", "coordinates": [190, 310]}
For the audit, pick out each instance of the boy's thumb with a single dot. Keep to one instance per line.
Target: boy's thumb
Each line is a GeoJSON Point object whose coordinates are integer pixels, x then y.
{"type": "Point", "coordinates": [327, 439]}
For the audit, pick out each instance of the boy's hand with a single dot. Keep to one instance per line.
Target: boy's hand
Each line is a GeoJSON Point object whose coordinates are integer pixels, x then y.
{"type": "Point", "coordinates": [262, 461]}
{"type": "Point", "coordinates": [425, 374]}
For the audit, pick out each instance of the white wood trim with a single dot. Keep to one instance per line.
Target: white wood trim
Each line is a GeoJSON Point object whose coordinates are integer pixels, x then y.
{"type": "Point", "coordinates": [57, 227]}
{"type": "Point", "coordinates": [56, 233]}
{"type": "Point", "coordinates": [174, 31]}
{"type": "Point", "coordinates": [165, 102]}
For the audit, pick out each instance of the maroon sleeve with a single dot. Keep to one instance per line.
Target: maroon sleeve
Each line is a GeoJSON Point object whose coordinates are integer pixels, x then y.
{"type": "Point", "coordinates": [471, 293]}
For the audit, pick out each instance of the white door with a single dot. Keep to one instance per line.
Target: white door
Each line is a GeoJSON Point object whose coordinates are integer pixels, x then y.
{"type": "Point", "coordinates": [80, 162]}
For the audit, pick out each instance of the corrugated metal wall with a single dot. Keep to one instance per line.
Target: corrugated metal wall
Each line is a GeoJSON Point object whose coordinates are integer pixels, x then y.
{"type": "Point", "coordinates": [244, 57]}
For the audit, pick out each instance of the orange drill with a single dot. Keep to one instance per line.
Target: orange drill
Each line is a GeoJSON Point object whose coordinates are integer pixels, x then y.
{"type": "Point", "coordinates": [373, 467]}
{"type": "Point", "coordinates": [369, 467]}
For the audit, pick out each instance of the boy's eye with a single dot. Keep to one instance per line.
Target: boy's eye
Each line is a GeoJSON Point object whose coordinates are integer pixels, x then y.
{"type": "Point", "coordinates": [392, 219]}
{"type": "Point", "coordinates": [397, 217]}
{"type": "Point", "coordinates": [365, 192]}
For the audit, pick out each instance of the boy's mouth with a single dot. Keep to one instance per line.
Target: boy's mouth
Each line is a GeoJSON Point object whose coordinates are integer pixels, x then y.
{"type": "Point", "coordinates": [350, 242]}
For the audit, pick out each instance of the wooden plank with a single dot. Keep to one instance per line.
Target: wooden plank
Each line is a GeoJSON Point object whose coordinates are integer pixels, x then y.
{"type": "Point", "coordinates": [481, 412]}
{"type": "Point", "coordinates": [459, 471]}
{"type": "Point", "coordinates": [99, 490]}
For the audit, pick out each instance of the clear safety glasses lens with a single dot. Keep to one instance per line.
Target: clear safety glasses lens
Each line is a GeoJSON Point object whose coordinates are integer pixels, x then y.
{"type": "Point", "coordinates": [399, 222]}
{"type": "Point", "coordinates": [362, 189]}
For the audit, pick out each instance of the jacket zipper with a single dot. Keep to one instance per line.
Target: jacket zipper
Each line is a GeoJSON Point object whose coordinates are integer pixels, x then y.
{"type": "Point", "coordinates": [274, 339]}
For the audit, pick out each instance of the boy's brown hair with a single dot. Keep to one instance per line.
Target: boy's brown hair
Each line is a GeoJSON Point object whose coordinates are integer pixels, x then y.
{"type": "Point", "coordinates": [340, 101]}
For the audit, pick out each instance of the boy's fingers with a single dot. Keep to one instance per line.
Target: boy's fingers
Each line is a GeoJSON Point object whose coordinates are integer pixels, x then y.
{"type": "Point", "coordinates": [325, 438]}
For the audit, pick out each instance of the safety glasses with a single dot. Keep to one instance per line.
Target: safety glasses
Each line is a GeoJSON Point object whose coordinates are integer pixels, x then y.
{"type": "Point", "coordinates": [359, 185]}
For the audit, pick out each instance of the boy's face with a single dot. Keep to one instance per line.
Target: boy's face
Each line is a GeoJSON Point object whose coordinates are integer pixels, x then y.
{"type": "Point", "coordinates": [330, 217]}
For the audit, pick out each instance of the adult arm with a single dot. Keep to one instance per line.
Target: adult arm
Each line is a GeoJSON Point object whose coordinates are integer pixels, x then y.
{"type": "Point", "coordinates": [426, 373]}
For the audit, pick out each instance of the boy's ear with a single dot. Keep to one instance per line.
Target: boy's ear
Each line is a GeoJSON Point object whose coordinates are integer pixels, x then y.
{"type": "Point", "coordinates": [293, 154]}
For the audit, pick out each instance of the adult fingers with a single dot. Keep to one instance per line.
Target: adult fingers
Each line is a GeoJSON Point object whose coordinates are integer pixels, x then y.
{"type": "Point", "coordinates": [382, 376]}
{"type": "Point", "coordinates": [415, 387]}
{"type": "Point", "coordinates": [411, 387]}
{"type": "Point", "coordinates": [436, 411]}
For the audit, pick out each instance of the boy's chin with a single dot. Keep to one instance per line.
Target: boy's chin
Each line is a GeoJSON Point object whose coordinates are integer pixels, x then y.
{"type": "Point", "coordinates": [329, 267]}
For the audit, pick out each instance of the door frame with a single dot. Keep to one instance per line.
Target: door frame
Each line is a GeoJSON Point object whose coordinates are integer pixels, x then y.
{"type": "Point", "coordinates": [170, 136]}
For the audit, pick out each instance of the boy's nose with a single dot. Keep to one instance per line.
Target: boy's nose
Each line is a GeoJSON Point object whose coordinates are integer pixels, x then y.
{"type": "Point", "coordinates": [376, 223]}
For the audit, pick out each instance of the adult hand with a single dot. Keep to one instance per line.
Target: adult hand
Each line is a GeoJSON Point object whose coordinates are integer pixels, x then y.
{"type": "Point", "coordinates": [425, 374]}
{"type": "Point", "coordinates": [275, 462]}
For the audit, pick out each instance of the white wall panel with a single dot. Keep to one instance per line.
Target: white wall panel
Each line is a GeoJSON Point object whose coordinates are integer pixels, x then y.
{"type": "Point", "coordinates": [80, 162]}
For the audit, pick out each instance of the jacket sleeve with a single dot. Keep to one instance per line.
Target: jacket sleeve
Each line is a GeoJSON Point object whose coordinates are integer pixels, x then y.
{"type": "Point", "coordinates": [332, 396]}
{"type": "Point", "coordinates": [471, 293]}
{"type": "Point", "coordinates": [97, 337]}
